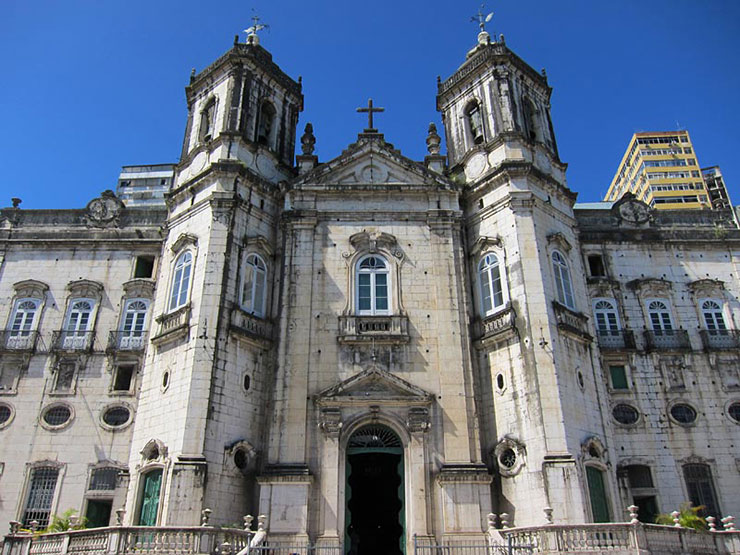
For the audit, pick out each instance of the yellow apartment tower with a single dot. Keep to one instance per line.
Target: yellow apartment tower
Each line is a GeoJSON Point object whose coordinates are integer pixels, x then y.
{"type": "Point", "coordinates": [661, 169]}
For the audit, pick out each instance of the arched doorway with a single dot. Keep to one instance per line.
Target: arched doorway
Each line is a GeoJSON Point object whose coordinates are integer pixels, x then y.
{"type": "Point", "coordinates": [374, 516]}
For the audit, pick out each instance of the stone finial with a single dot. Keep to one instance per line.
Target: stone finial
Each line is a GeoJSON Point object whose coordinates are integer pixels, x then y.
{"type": "Point", "coordinates": [14, 527]}
{"type": "Point", "coordinates": [675, 515]}
{"type": "Point", "coordinates": [225, 548]}
{"type": "Point", "coordinates": [248, 522]}
{"type": "Point", "coordinates": [544, 73]}
{"type": "Point", "coordinates": [261, 523]}
{"type": "Point", "coordinates": [504, 520]}
{"type": "Point", "coordinates": [632, 509]}
{"type": "Point", "coordinates": [433, 140]}
{"type": "Point", "coordinates": [491, 521]}
{"type": "Point", "coordinates": [16, 202]}
{"type": "Point", "coordinates": [729, 523]}
{"type": "Point", "coordinates": [74, 521]}
{"type": "Point", "coordinates": [120, 513]}
{"type": "Point", "coordinates": [34, 525]}
{"type": "Point", "coordinates": [308, 140]}
{"type": "Point", "coordinates": [192, 75]}
{"type": "Point", "coordinates": [205, 516]}
{"type": "Point", "coordinates": [548, 514]}
{"type": "Point", "coordinates": [501, 39]}
{"type": "Point", "coordinates": [712, 522]}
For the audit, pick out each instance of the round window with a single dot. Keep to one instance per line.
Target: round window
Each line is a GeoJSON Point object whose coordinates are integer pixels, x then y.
{"type": "Point", "coordinates": [507, 458]}
{"type": "Point", "coordinates": [683, 413]}
{"type": "Point", "coordinates": [6, 414]}
{"type": "Point", "coordinates": [734, 411]}
{"type": "Point", "coordinates": [625, 414]}
{"type": "Point", "coordinates": [116, 416]}
{"type": "Point", "coordinates": [57, 415]}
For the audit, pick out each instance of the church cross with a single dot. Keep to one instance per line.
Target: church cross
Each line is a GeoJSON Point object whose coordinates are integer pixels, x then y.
{"type": "Point", "coordinates": [370, 110]}
{"type": "Point", "coordinates": [481, 18]}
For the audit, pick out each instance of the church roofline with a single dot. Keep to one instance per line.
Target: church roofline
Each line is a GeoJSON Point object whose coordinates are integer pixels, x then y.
{"type": "Point", "coordinates": [260, 57]}
{"type": "Point", "coordinates": [495, 51]}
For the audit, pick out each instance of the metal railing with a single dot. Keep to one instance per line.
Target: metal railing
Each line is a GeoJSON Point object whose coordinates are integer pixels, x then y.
{"type": "Point", "coordinates": [720, 339]}
{"type": "Point", "coordinates": [127, 340]}
{"type": "Point", "coordinates": [18, 340]}
{"type": "Point", "coordinates": [616, 339]}
{"type": "Point", "coordinates": [666, 340]}
{"type": "Point", "coordinates": [72, 340]}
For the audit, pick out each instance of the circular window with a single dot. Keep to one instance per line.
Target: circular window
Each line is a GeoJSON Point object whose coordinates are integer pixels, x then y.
{"type": "Point", "coordinates": [115, 417]}
{"type": "Point", "coordinates": [734, 411]}
{"type": "Point", "coordinates": [507, 458]}
{"type": "Point", "coordinates": [683, 413]}
{"type": "Point", "coordinates": [625, 414]}
{"type": "Point", "coordinates": [6, 414]}
{"type": "Point", "coordinates": [57, 416]}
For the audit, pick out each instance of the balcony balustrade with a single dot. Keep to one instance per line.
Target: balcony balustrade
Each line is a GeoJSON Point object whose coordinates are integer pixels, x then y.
{"type": "Point", "coordinates": [497, 326]}
{"type": "Point", "coordinates": [72, 340]}
{"type": "Point", "coordinates": [18, 340]}
{"type": "Point", "coordinates": [127, 340]}
{"type": "Point", "coordinates": [172, 325]}
{"type": "Point", "coordinates": [615, 339]}
{"type": "Point", "coordinates": [667, 340]}
{"type": "Point", "coordinates": [720, 339]}
{"type": "Point", "coordinates": [571, 321]}
{"type": "Point", "coordinates": [249, 325]}
{"type": "Point", "coordinates": [380, 329]}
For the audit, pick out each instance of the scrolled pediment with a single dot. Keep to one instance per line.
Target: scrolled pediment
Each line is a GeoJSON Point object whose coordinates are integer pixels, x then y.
{"type": "Point", "coordinates": [85, 288]}
{"type": "Point", "coordinates": [184, 240]}
{"type": "Point", "coordinates": [559, 241]}
{"type": "Point", "coordinates": [30, 288]}
{"type": "Point", "coordinates": [707, 287]}
{"type": "Point", "coordinates": [259, 243]}
{"type": "Point", "coordinates": [139, 287]}
{"type": "Point", "coordinates": [484, 243]}
{"type": "Point", "coordinates": [371, 241]}
{"type": "Point", "coordinates": [647, 286]}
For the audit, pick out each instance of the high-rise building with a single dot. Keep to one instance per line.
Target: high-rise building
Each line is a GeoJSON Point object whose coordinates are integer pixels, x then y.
{"type": "Point", "coordinates": [661, 169]}
{"type": "Point", "coordinates": [145, 186]}
{"type": "Point", "coordinates": [715, 183]}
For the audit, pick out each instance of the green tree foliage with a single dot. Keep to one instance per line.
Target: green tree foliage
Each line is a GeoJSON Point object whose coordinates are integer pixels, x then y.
{"type": "Point", "coordinates": [688, 517]}
{"type": "Point", "coordinates": [65, 522]}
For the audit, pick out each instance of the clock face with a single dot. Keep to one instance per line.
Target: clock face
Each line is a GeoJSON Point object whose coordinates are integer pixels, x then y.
{"type": "Point", "coordinates": [475, 166]}
{"type": "Point", "coordinates": [634, 211]}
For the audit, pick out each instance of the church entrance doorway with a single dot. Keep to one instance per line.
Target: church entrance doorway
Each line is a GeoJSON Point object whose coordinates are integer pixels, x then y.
{"type": "Point", "coordinates": [374, 514]}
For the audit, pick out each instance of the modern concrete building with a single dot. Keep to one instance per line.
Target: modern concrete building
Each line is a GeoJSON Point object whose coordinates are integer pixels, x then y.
{"type": "Point", "coordinates": [145, 186]}
{"type": "Point", "coordinates": [661, 169]}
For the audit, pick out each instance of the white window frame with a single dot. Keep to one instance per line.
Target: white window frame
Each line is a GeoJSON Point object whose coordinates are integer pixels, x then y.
{"type": "Point", "coordinates": [486, 273]}
{"type": "Point", "coordinates": [180, 294]}
{"type": "Point", "coordinates": [602, 314]}
{"type": "Point", "coordinates": [249, 302]}
{"type": "Point", "coordinates": [26, 324]}
{"type": "Point", "coordinates": [716, 314]}
{"type": "Point", "coordinates": [563, 280]}
{"type": "Point", "coordinates": [373, 273]}
{"type": "Point", "coordinates": [76, 332]}
{"type": "Point", "coordinates": [666, 325]}
{"type": "Point", "coordinates": [131, 334]}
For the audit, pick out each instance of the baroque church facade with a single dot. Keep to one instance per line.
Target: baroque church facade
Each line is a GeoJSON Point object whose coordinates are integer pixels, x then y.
{"type": "Point", "coordinates": [369, 347]}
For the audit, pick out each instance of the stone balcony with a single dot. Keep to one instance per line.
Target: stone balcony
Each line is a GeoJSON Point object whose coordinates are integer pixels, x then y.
{"type": "Point", "coordinates": [392, 329]}
{"type": "Point", "coordinates": [667, 340]}
{"type": "Point", "coordinates": [18, 340]}
{"type": "Point", "coordinates": [172, 325]}
{"type": "Point", "coordinates": [571, 322]}
{"type": "Point", "coordinates": [495, 327]}
{"type": "Point", "coordinates": [250, 326]}
{"type": "Point", "coordinates": [132, 341]}
{"type": "Point", "coordinates": [720, 339]}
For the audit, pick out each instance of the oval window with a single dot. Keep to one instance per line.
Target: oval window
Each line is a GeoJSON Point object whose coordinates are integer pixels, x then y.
{"type": "Point", "coordinates": [507, 459]}
{"type": "Point", "coordinates": [683, 413]}
{"type": "Point", "coordinates": [57, 415]}
{"type": "Point", "coordinates": [116, 416]}
{"type": "Point", "coordinates": [625, 414]}
{"type": "Point", "coordinates": [734, 411]}
{"type": "Point", "coordinates": [5, 413]}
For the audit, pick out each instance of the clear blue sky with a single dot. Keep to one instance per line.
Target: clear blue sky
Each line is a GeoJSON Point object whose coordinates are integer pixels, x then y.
{"type": "Point", "coordinates": [89, 86]}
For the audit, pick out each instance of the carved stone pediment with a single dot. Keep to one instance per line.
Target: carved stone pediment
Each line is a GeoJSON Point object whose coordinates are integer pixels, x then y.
{"type": "Point", "coordinates": [260, 243]}
{"type": "Point", "coordinates": [558, 240]}
{"type": "Point", "coordinates": [650, 286]}
{"type": "Point", "coordinates": [139, 287]}
{"type": "Point", "coordinates": [30, 288]}
{"type": "Point", "coordinates": [371, 241]}
{"type": "Point", "coordinates": [484, 243]}
{"type": "Point", "coordinates": [374, 386]}
{"type": "Point", "coordinates": [707, 287]}
{"type": "Point", "coordinates": [85, 288]}
{"type": "Point", "coordinates": [183, 240]}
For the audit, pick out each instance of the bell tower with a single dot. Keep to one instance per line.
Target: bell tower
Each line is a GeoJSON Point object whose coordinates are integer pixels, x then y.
{"type": "Point", "coordinates": [241, 107]}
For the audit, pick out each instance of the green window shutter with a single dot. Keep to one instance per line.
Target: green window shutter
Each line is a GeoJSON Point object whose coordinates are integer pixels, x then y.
{"type": "Point", "coordinates": [619, 377]}
{"type": "Point", "coordinates": [150, 498]}
{"type": "Point", "coordinates": [597, 494]}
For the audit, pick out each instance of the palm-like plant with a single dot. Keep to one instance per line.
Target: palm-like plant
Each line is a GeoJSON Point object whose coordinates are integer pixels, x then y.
{"type": "Point", "coordinates": [688, 517]}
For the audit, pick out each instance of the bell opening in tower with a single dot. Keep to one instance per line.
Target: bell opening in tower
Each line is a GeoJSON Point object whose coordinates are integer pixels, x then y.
{"type": "Point", "coordinates": [374, 493]}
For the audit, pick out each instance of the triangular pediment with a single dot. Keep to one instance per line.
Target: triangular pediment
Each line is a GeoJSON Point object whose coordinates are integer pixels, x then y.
{"type": "Point", "coordinates": [374, 385]}
{"type": "Point", "coordinates": [369, 163]}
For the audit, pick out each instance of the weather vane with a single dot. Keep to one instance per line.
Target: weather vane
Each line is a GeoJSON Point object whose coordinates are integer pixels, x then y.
{"type": "Point", "coordinates": [252, 31]}
{"type": "Point", "coordinates": [481, 19]}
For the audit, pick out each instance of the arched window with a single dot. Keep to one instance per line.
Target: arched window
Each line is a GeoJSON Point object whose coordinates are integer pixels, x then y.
{"type": "Point", "coordinates": [713, 317]}
{"type": "Point", "coordinates": [265, 124]}
{"type": "Point", "coordinates": [491, 284]}
{"type": "Point", "coordinates": [133, 325]}
{"type": "Point", "coordinates": [181, 281]}
{"type": "Point", "coordinates": [24, 317]}
{"type": "Point", "coordinates": [78, 324]}
{"type": "Point", "coordinates": [563, 287]}
{"type": "Point", "coordinates": [530, 119]}
{"type": "Point", "coordinates": [207, 121]}
{"type": "Point", "coordinates": [254, 282]}
{"type": "Point", "coordinates": [474, 119]}
{"type": "Point", "coordinates": [605, 312]}
{"type": "Point", "coordinates": [660, 317]}
{"type": "Point", "coordinates": [373, 295]}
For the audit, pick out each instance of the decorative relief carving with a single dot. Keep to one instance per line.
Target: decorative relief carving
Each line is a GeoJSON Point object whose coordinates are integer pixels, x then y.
{"type": "Point", "coordinates": [183, 240]}
{"type": "Point", "coordinates": [559, 240]}
{"type": "Point", "coordinates": [330, 421]}
{"type": "Point", "coordinates": [418, 420]}
{"type": "Point", "coordinates": [85, 288]}
{"type": "Point", "coordinates": [672, 369]}
{"type": "Point", "coordinates": [104, 210]}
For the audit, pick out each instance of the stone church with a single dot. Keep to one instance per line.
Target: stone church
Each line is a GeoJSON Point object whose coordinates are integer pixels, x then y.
{"type": "Point", "coordinates": [372, 348]}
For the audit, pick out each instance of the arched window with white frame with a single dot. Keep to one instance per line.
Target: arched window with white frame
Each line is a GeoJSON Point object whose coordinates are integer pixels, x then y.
{"type": "Point", "coordinates": [660, 316]}
{"type": "Point", "coordinates": [253, 295]}
{"type": "Point", "coordinates": [563, 284]}
{"type": "Point", "coordinates": [180, 285]}
{"type": "Point", "coordinates": [605, 315]}
{"type": "Point", "coordinates": [491, 282]}
{"type": "Point", "coordinates": [78, 324]}
{"type": "Point", "coordinates": [133, 323]}
{"type": "Point", "coordinates": [714, 318]}
{"type": "Point", "coordinates": [373, 290]}
{"type": "Point", "coordinates": [23, 320]}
